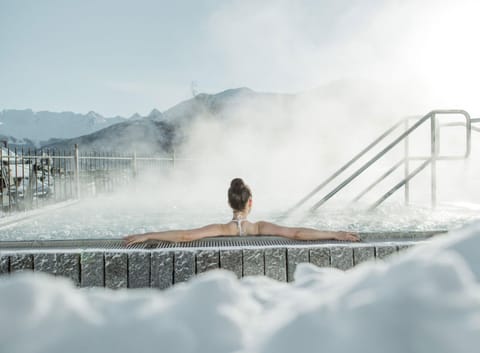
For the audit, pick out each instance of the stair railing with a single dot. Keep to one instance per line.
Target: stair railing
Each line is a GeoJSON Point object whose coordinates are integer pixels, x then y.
{"type": "Point", "coordinates": [430, 160]}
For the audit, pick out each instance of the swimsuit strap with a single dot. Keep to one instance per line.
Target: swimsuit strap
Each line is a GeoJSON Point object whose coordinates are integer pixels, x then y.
{"type": "Point", "coordinates": [239, 221]}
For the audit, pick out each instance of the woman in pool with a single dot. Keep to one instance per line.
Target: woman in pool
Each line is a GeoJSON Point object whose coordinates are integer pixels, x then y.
{"type": "Point", "coordinates": [240, 200]}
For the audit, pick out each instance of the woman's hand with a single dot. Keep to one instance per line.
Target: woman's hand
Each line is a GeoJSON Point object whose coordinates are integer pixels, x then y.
{"type": "Point", "coordinates": [345, 236]}
{"type": "Point", "coordinates": [134, 239]}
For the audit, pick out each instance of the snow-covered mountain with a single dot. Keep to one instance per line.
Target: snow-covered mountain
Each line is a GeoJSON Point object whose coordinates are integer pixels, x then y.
{"type": "Point", "coordinates": [241, 106]}
{"type": "Point", "coordinates": [43, 125]}
{"type": "Point", "coordinates": [144, 136]}
{"type": "Point", "coordinates": [224, 104]}
{"type": "Point", "coordinates": [163, 131]}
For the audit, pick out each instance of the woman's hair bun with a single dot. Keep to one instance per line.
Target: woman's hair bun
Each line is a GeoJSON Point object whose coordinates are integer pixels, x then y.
{"type": "Point", "coordinates": [237, 183]}
{"type": "Point", "coordinates": [238, 194]}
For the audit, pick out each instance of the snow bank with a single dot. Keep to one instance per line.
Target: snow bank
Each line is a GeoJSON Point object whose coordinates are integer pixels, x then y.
{"type": "Point", "coordinates": [424, 300]}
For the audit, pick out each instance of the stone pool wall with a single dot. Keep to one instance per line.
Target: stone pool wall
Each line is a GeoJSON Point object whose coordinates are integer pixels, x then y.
{"type": "Point", "coordinates": [163, 267]}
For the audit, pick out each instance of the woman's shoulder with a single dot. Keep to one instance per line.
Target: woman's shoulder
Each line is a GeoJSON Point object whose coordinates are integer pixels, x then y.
{"type": "Point", "coordinates": [252, 227]}
{"type": "Point", "coordinates": [230, 228]}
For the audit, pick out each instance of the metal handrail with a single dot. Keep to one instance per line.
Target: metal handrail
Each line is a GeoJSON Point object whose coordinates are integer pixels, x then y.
{"type": "Point", "coordinates": [408, 176]}
{"type": "Point", "coordinates": [370, 162]}
{"type": "Point", "coordinates": [475, 128]}
{"type": "Point", "coordinates": [383, 176]}
{"type": "Point", "coordinates": [472, 121]}
{"type": "Point", "coordinates": [401, 183]}
{"type": "Point", "coordinates": [346, 166]}
{"type": "Point", "coordinates": [434, 156]}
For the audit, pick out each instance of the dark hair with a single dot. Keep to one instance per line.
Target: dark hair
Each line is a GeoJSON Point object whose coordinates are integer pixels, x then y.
{"type": "Point", "coordinates": [238, 194]}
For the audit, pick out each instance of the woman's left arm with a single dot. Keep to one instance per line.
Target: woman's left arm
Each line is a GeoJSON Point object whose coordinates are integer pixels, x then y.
{"type": "Point", "coordinates": [212, 230]}
{"type": "Point", "coordinates": [266, 228]}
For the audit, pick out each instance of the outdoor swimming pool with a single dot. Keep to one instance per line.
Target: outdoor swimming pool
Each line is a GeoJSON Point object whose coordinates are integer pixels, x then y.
{"type": "Point", "coordinates": [114, 217]}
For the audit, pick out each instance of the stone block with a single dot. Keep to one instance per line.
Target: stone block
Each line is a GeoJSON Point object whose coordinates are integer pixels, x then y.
{"type": "Point", "coordinates": [184, 266]}
{"type": "Point", "coordinates": [45, 262]}
{"type": "Point", "coordinates": [21, 262]}
{"type": "Point", "coordinates": [207, 260]}
{"type": "Point", "coordinates": [341, 257]}
{"type": "Point", "coordinates": [232, 260]}
{"type": "Point", "coordinates": [116, 270]}
{"type": "Point", "coordinates": [4, 264]}
{"type": "Point", "coordinates": [295, 256]}
{"type": "Point", "coordinates": [276, 264]}
{"type": "Point", "coordinates": [253, 262]}
{"type": "Point", "coordinates": [92, 269]}
{"type": "Point", "coordinates": [139, 269]}
{"type": "Point", "coordinates": [161, 270]}
{"type": "Point", "coordinates": [384, 251]}
{"type": "Point", "coordinates": [363, 253]}
{"type": "Point", "coordinates": [68, 265]}
{"type": "Point", "coordinates": [320, 257]}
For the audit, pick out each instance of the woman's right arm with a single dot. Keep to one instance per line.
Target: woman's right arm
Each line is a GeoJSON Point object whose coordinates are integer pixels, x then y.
{"type": "Point", "coordinates": [266, 228]}
{"type": "Point", "coordinates": [211, 230]}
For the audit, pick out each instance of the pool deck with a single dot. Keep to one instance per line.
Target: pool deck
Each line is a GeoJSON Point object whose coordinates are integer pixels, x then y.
{"type": "Point", "coordinates": [109, 263]}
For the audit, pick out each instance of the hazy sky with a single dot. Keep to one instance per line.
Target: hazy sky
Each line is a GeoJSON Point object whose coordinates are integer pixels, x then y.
{"type": "Point", "coordinates": [121, 57]}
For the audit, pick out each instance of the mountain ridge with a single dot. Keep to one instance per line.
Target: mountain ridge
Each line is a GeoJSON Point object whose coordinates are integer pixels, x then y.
{"type": "Point", "coordinates": [43, 125]}
{"type": "Point", "coordinates": [242, 106]}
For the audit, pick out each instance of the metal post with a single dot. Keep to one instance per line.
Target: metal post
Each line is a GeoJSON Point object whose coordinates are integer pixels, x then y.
{"type": "Point", "coordinates": [68, 168]}
{"type": "Point", "coordinates": [9, 185]}
{"type": "Point", "coordinates": [76, 170]}
{"type": "Point", "coordinates": [49, 189]}
{"type": "Point", "coordinates": [134, 164]}
{"type": "Point", "coordinates": [42, 175]}
{"type": "Point", "coordinates": [16, 180]}
{"type": "Point", "coordinates": [94, 172]}
{"type": "Point", "coordinates": [2, 177]}
{"type": "Point", "coordinates": [23, 181]}
{"type": "Point", "coordinates": [434, 152]}
{"type": "Point", "coordinates": [173, 159]}
{"type": "Point", "coordinates": [406, 166]}
{"type": "Point", "coordinates": [31, 179]}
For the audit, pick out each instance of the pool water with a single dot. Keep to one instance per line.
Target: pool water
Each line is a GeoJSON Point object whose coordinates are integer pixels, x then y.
{"type": "Point", "coordinates": [110, 217]}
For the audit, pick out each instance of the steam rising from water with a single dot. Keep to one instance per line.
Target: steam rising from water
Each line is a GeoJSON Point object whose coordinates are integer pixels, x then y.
{"type": "Point", "coordinates": [374, 63]}
{"type": "Point", "coordinates": [283, 146]}
{"type": "Point", "coordinates": [358, 67]}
